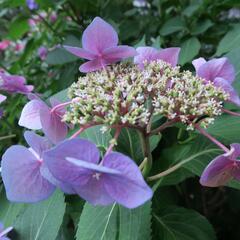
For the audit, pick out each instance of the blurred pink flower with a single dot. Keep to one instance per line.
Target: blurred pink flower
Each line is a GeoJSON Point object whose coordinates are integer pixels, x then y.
{"type": "Point", "coordinates": [4, 44]}
{"type": "Point", "coordinates": [53, 17]}
{"type": "Point", "coordinates": [42, 52]}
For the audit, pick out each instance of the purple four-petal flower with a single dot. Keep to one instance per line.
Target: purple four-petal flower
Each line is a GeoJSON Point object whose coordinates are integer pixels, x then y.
{"type": "Point", "coordinates": [223, 168]}
{"type": "Point", "coordinates": [115, 179]}
{"type": "Point", "coordinates": [100, 46]}
{"type": "Point", "coordinates": [219, 71]}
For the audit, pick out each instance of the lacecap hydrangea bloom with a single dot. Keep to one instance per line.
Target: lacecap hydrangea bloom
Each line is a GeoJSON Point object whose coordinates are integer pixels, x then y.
{"type": "Point", "coordinates": [115, 96]}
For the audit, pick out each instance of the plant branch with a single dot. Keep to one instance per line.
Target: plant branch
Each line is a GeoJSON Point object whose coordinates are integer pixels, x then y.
{"type": "Point", "coordinates": [162, 127]}
{"type": "Point", "coordinates": [177, 166]}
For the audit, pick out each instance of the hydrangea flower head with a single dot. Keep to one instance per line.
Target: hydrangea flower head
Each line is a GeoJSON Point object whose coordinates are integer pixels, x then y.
{"type": "Point", "coordinates": [119, 95]}
{"type": "Point", "coordinates": [219, 71]}
{"type": "Point", "coordinates": [100, 46]}
{"type": "Point", "coordinates": [223, 168]}
{"type": "Point", "coordinates": [116, 178]}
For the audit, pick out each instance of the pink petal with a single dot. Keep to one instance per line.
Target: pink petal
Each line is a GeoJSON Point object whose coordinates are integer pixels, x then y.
{"type": "Point", "coordinates": [65, 171]}
{"type": "Point", "coordinates": [235, 147]}
{"type": "Point", "coordinates": [226, 86]}
{"type": "Point", "coordinates": [217, 173]}
{"type": "Point", "coordinates": [98, 36]}
{"type": "Point", "coordinates": [80, 52]}
{"type": "Point", "coordinates": [92, 65]}
{"type": "Point", "coordinates": [115, 54]}
{"type": "Point", "coordinates": [145, 54]}
{"type": "Point", "coordinates": [38, 143]}
{"type": "Point", "coordinates": [197, 63]}
{"type": "Point", "coordinates": [129, 187]}
{"type": "Point", "coordinates": [214, 68]}
{"type": "Point", "coordinates": [2, 98]}
{"type": "Point", "coordinates": [30, 116]}
{"type": "Point", "coordinates": [22, 178]}
{"type": "Point", "coordinates": [52, 125]}
{"type": "Point", "coordinates": [169, 55]}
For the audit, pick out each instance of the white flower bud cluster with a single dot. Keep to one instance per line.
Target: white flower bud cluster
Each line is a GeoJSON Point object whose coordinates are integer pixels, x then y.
{"type": "Point", "coordinates": [187, 97]}
{"type": "Point", "coordinates": [115, 95]}
{"type": "Point", "coordinates": [123, 94]}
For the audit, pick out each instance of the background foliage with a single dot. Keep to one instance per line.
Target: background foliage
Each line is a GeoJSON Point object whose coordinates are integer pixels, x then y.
{"type": "Point", "coordinates": [181, 209]}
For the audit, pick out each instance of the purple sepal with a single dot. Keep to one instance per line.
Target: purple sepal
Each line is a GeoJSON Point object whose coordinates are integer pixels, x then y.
{"type": "Point", "coordinates": [99, 43]}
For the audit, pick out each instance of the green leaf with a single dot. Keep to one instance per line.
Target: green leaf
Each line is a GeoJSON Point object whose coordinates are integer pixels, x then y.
{"type": "Point", "coordinates": [226, 128]}
{"type": "Point", "coordinates": [201, 26]}
{"type": "Point", "coordinates": [234, 57]}
{"type": "Point", "coordinates": [172, 25]}
{"type": "Point", "coordinates": [114, 222]}
{"type": "Point", "coordinates": [157, 42]}
{"type": "Point", "coordinates": [61, 96]}
{"type": "Point", "coordinates": [9, 211]}
{"type": "Point", "coordinates": [176, 223]}
{"type": "Point", "coordinates": [129, 143]}
{"type": "Point", "coordinates": [95, 135]}
{"type": "Point", "coordinates": [41, 221]}
{"type": "Point", "coordinates": [189, 49]}
{"type": "Point", "coordinates": [60, 56]}
{"type": "Point", "coordinates": [191, 9]}
{"type": "Point", "coordinates": [230, 41]}
{"type": "Point", "coordinates": [18, 28]}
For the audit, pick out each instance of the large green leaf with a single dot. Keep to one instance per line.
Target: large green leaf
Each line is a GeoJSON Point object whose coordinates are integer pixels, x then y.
{"type": "Point", "coordinates": [189, 49]}
{"type": "Point", "coordinates": [115, 222]}
{"type": "Point", "coordinates": [18, 28]}
{"type": "Point", "coordinates": [226, 128]}
{"type": "Point", "coordinates": [172, 25]}
{"type": "Point", "coordinates": [9, 211]}
{"type": "Point", "coordinates": [41, 221]}
{"type": "Point", "coordinates": [60, 56]}
{"type": "Point", "coordinates": [234, 57]}
{"type": "Point", "coordinates": [175, 223]}
{"type": "Point", "coordinates": [201, 26]}
{"type": "Point", "coordinates": [230, 41]}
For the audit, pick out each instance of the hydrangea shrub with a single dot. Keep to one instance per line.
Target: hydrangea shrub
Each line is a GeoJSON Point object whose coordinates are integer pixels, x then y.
{"type": "Point", "coordinates": [77, 147]}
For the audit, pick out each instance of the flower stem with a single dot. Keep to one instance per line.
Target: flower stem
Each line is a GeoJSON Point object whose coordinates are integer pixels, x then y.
{"type": "Point", "coordinates": [231, 113]}
{"type": "Point", "coordinates": [7, 137]}
{"type": "Point", "coordinates": [162, 127]}
{"type": "Point", "coordinates": [115, 138]}
{"type": "Point", "coordinates": [80, 131]}
{"type": "Point", "coordinates": [61, 105]}
{"type": "Point", "coordinates": [211, 138]}
{"type": "Point", "coordinates": [147, 154]}
{"type": "Point", "coordinates": [177, 166]}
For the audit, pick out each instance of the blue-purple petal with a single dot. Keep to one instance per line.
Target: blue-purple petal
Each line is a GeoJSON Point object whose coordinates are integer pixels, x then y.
{"type": "Point", "coordinates": [22, 178]}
